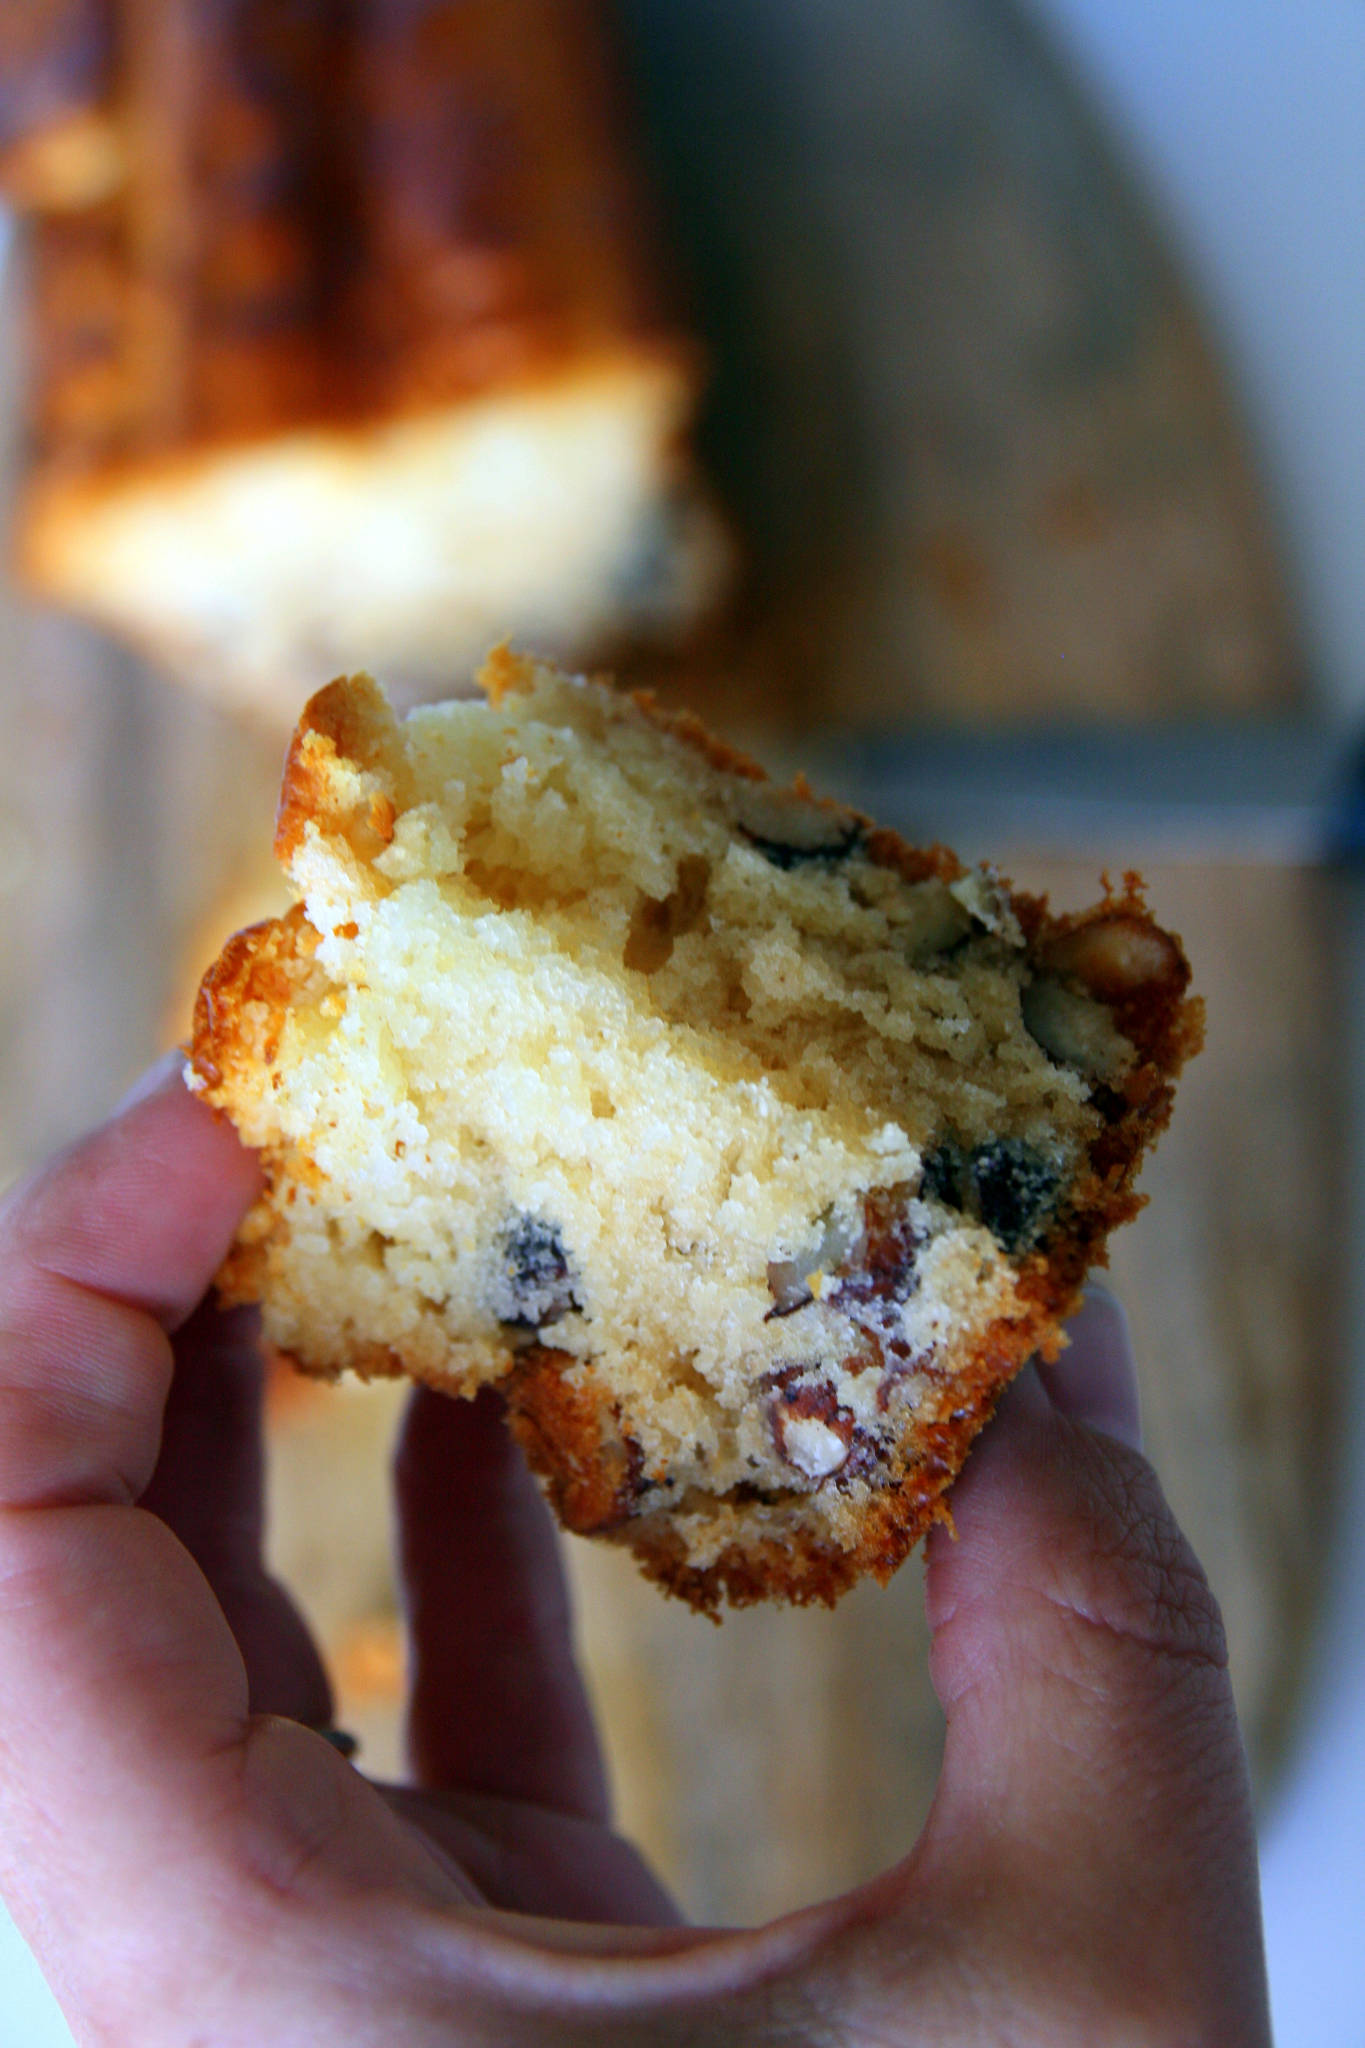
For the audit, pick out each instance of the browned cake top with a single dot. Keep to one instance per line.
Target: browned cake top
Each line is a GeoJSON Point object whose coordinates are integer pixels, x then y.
{"type": "Point", "coordinates": [249, 217]}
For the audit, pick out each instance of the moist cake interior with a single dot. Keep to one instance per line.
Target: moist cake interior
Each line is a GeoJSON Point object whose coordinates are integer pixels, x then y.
{"type": "Point", "coordinates": [719, 1127]}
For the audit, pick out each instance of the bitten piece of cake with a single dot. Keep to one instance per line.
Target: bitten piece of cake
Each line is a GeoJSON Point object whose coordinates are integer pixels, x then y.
{"type": "Point", "coordinates": [748, 1150]}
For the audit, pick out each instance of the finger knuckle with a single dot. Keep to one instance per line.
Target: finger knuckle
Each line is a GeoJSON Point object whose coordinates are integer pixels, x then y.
{"type": "Point", "coordinates": [1133, 1572]}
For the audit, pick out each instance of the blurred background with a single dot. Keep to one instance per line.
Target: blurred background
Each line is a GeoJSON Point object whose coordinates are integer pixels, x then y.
{"type": "Point", "coordinates": [960, 399]}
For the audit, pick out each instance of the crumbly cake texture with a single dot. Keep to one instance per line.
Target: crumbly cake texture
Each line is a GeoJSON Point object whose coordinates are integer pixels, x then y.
{"type": "Point", "coordinates": [748, 1150]}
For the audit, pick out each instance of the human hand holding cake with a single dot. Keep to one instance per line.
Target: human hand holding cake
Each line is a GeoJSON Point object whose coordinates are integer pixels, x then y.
{"type": "Point", "coordinates": [191, 1864]}
{"type": "Point", "coordinates": [748, 1151]}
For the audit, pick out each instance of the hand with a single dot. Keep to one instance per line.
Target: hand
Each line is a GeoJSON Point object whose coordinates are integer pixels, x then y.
{"type": "Point", "coordinates": [192, 1864]}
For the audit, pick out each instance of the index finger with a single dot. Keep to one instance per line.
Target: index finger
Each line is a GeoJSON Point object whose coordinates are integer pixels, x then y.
{"type": "Point", "coordinates": [102, 1253]}
{"type": "Point", "coordinates": [112, 1650]}
{"type": "Point", "coordinates": [136, 1788]}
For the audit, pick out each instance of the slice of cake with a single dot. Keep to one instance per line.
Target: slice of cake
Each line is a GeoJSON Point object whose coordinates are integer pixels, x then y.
{"type": "Point", "coordinates": [351, 340]}
{"type": "Point", "coordinates": [748, 1150]}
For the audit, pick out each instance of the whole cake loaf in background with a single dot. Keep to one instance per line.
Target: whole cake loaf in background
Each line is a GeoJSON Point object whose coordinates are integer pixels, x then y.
{"type": "Point", "coordinates": [347, 345]}
{"type": "Point", "coordinates": [748, 1150]}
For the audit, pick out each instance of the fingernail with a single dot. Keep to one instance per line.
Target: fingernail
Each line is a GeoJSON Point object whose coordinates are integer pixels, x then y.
{"type": "Point", "coordinates": [1095, 1380]}
{"type": "Point", "coordinates": [158, 1076]}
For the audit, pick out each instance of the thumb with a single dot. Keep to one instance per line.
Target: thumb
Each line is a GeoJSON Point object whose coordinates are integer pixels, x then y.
{"type": "Point", "coordinates": [1094, 1805]}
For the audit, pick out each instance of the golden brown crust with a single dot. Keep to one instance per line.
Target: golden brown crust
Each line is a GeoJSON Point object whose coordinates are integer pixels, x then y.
{"type": "Point", "coordinates": [879, 842]}
{"type": "Point", "coordinates": [243, 997]}
{"type": "Point", "coordinates": [570, 1433]}
{"type": "Point", "coordinates": [346, 721]}
{"type": "Point", "coordinates": [687, 727]}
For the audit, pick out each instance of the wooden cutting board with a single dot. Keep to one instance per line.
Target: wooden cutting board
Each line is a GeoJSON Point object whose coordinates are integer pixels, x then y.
{"type": "Point", "coordinates": [981, 451]}
{"type": "Point", "coordinates": [985, 468]}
